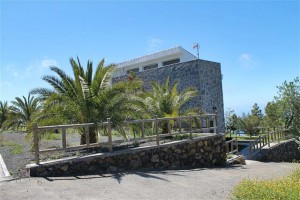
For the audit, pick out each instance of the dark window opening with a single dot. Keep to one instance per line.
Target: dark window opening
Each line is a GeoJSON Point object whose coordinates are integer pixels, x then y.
{"type": "Point", "coordinates": [151, 66]}
{"type": "Point", "coordinates": [170, 62]}
{"type": "Point", "coordinates": [135, 70]}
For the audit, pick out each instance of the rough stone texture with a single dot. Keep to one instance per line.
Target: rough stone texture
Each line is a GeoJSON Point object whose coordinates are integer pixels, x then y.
{"type": "Point", "coordinates": [240, 159]}
{"type": "Point", "coordinates": [203, 75]}
{"type": "Point", "coordinates": [283, 152]}
{"type": "Point", "coordinates": [186, 153]}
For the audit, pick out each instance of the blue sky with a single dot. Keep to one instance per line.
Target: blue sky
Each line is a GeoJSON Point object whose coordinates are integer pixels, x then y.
{"type": "Point", "coordinates": [257, 43]}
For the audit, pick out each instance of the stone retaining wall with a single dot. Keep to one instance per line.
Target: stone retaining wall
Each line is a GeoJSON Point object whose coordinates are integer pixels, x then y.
{"type": "Point", "coordinates": [200, 152]}
{"type": "Point", "coordinates": [286, 151]}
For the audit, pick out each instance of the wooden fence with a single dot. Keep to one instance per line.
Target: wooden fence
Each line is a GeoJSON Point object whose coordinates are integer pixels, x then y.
{"type": "Point", "coordinates": [230, 146]}
{"type": "Point", "coordinates": [266, 139]}
{"type": "Point", "coordinates": [181, 125]}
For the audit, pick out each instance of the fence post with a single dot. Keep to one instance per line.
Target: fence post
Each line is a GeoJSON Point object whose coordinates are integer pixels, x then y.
{"type": "Point", "coordinates": [36, 143]}
{"type": "Point", "coordinates": [64, 140]}
{"type": "Point", "coordinates": [109, 134]}
{"type": "Point", "coordinates": [87, 135]}
{"type": "Point", "coordinates": [169, 126]}
{"type": "Point", "coordinates": [250, 149]}
{"type": "Point", "coordinates": [191, 127]}
{"type": "Point", "coordinates": [156, 130]}
{"type": "Point", "coordinates": [227, 148]}
{"type": "Point", "coordinates": [179, 124]}
{"type": "Point", "coordinates": [99, 133]}
{"type": "Point", "coordinates": [272, 137]}
{"type": "Point", "coordinates": [237, 147]}
{"type": "Point", "coordinates": [208, 123]}
{"type": "Point", "coordinates": [259, 139]}
{"type": "Point", "coordinates": [143, 129]}
{"type": "Point", "coordinates": [216, 120]}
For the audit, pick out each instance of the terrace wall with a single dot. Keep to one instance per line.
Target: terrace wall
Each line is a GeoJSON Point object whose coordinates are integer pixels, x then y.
{"type": "Point", "coordinates": [206, 151]}
{"type": "Point", "coordinates": [286, 151]}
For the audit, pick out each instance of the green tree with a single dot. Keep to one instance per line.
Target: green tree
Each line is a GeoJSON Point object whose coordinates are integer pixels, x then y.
{"type": "Point", "coordinates": [273, 116]}
{"type": "Point", "coordinates": [4, 109]}
{"type": "Point", "coordinates": [22, 112]}
{"type": "Point", "coordinates": [89, 97]}
{"type": "Point", "coordinates": [288, 100]}
{"type": "Point", "coordinates": [256, 111]}
{"type": "Point", "coordinates": [249, 124]}
{"type": "Point", "coordinates": [165, 101]}
{"type": "Point", "coordinates": [231, 121]}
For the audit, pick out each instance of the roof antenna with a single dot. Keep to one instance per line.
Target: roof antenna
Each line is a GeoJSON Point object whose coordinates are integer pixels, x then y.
{"type": "Point", "coordinates": [197, 46]}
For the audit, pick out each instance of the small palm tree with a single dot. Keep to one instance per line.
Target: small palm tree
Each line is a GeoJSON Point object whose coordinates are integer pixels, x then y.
{"type": "Point", "coordinates": [166, 101]}
{"type": "Point", "coordinates": [22, 112]}
{"type": "Point", "coordinates": [88, 97]}
{"type": "Point", "coordinates": [4, 109]}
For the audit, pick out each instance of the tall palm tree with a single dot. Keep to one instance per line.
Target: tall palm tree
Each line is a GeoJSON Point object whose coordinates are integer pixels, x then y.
{"type": "Point", "coordinates": [3, 112]}
{"type": "Point", "coordinates": [165, 100]}
{"type": "Point", "coordinates": [22, 112]}
{"type": "Point", "coordinates": [88, 97]}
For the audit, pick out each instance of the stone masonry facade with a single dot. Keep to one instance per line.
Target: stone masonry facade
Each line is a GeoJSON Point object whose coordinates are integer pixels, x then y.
{"type": "Point", "coordinates": [203, 75]}
{"type": "Point", "coordinates": [287, 151]}
{"type": "Point", "coordinates": [206, 151]}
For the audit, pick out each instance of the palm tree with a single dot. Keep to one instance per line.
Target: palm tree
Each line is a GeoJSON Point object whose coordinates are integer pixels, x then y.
{"type": "Point", "coordinates": [166, 101]}
{"type": "Point", "coordinates": [89, 97]}
{"type": "Point", "coordinates": [22, 112]}
{"type": "Point", "coordinates": [3, 112]}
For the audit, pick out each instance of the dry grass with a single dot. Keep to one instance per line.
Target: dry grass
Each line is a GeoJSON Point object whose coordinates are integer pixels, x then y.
{"type": "Point", "coordinates": [281, 188]}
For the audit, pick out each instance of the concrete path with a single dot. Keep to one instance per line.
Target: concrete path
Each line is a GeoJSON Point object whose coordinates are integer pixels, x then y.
{"type": "Point", "coordinates": [4, 174]}
{"type": "Point", "coordinates": [246, 151]}
{"type": "Point", "coordinates": [206, 184]}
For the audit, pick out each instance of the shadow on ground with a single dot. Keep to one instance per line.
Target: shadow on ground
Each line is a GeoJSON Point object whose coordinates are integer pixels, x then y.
{"type": "Point", "coordinates": [150, 174]}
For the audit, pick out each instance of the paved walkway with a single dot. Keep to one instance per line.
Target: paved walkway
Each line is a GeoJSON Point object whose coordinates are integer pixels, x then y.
{"type": "Point", "coordinates": [210, 183]}
{"type": "Point", "coordinates": [246, 151]}
{"type": "Point", "coordinates": [4, 174]}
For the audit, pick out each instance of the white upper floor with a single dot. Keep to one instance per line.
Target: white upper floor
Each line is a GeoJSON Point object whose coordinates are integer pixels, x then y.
{"type": "Point", "coordinates": [154, 60]}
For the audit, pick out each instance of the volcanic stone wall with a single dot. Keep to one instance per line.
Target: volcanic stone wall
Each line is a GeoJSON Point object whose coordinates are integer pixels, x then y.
{"type": "Point", "coordinates": [286, 151]}
{"type": "Point", "coordinates": [199, 152]}
{"type": "Point", "coordinates": [203, 75]}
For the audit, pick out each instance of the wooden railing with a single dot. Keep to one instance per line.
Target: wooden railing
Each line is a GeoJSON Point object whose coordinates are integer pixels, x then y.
{"type": "Point", "coordinates": [188, 127]}
{"type": "Point", "coordinates": [266, 139]}
{"type": "Point", "coordinates": [230, 146]}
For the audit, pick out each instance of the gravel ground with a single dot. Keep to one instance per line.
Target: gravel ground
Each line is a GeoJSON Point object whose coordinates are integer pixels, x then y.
{"type": "Point", "coordinates": [16, 161]}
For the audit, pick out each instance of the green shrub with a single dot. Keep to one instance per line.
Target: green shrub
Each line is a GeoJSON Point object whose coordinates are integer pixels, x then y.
{"type": "Point", "coordinates": [14, 148]}
{"type": "Point", "coordinates": [17, 149]}
{"type": "Point", "coordinates": [280, 188]}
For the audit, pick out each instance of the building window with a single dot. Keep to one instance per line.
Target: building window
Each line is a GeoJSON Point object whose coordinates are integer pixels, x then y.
{"type": "Point", "coordinates": [135, 70]}
{"type": "Point", "coordinates": [150, 66]}
{"type": "Point", "coordinates": [170, 62]}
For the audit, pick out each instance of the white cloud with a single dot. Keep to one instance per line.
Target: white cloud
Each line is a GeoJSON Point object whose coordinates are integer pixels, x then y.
{"type": "Point", "coordinates": [12, 70]}
{"type": "Point", "coordinates": [48, 62]}
{"type": "Point", "coordinates": [247, 61]}
{"type": "Point", "coordinates": [154, 44]}
{"type": "Point", "coordinates": [39, 66]}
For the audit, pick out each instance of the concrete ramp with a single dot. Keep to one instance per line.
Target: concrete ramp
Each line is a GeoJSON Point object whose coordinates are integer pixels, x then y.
{"type": "Point", "coordinates": [4, 173]}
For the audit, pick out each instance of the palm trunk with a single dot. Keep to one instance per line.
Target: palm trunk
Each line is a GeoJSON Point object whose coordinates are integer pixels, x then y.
{"type": "Point", "coordinates": [92, 136]}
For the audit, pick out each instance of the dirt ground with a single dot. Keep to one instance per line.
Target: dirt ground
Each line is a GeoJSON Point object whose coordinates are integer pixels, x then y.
{"type": "Point", "coordinates": [214, 183]}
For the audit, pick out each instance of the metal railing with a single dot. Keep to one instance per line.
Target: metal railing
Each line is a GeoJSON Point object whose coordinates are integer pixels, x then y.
{"type": "Point", "coordinates": [181, 125]}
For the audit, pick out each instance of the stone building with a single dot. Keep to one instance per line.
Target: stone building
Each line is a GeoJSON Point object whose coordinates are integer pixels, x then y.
{"type": "Point", "coordinates": [184, 67]}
